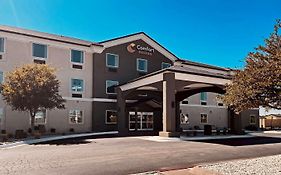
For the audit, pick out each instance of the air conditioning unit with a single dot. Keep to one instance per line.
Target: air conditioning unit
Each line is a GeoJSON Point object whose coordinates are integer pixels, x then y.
{"type": "Point", "coordinates": [1, 57]}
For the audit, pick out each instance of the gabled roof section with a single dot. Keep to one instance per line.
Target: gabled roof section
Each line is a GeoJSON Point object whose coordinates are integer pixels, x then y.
{"type": "Point", "coordinates": [140, 36]}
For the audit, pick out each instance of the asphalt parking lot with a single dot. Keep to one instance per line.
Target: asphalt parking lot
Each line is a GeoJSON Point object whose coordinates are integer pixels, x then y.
{"type": "Point", "coordinates": [128, 155]}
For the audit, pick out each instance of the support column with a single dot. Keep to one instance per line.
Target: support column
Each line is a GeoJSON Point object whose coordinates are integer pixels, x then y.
{"type": "Point", "coordinates": [169, 106]}
{"type": "Point", "coordinates": [121, 114]}
{"type": "Point", "coordinates": [178, 119]}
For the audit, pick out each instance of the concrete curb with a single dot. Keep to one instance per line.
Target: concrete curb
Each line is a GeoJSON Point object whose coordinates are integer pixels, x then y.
{"type": "Point", "coordinates": [52, 138]}
{"type": "Point", "coordinates": [183, 138]}
{"type": "Point", "coordinates": [217, 137]}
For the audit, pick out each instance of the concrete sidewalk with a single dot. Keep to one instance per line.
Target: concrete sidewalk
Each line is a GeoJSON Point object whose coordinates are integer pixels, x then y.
{"type": "Point", "coordinates": [189, 171]}
{"type": "Point", "coordinates": [52, 138]}
{"type": "Point", "coordinates": [196, 138]}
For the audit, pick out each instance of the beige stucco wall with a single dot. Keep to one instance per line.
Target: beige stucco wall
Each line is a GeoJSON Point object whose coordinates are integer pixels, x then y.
{"type": "Point", "coordinates": [217, 116]}
{"type": "Point", "coordinates": [211, 99]}
{"type": "Point", "coordinates": [18, 51]}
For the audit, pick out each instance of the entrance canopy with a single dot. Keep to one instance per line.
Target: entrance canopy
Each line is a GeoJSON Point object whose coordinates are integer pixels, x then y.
{"type": "Point", "coordinates": [186, 76]}
{"type": "Point", "coordinates": [172, 84]}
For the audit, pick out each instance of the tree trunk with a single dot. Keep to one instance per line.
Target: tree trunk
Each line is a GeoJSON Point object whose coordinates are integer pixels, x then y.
{"type": "Point", "coordinates": [32, 117]}
{"type": "Point", "coordinates": [32, 122]}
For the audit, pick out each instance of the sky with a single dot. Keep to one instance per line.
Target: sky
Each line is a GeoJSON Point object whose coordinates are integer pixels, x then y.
{"type": "Point", "coordinates": [216, 32]}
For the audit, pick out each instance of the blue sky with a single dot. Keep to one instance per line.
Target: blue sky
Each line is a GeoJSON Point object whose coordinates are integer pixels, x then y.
{"type": "Point", "coordinates": [218, 32]}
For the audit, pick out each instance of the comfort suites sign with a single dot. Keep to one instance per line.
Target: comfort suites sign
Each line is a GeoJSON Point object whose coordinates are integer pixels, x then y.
{"type": "Point", "coordinates": [139, 48]}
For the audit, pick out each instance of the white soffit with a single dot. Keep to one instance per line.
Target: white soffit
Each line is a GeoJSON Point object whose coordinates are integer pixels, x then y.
{"type": "Point", "coordinates": [201, 79]}
{"type": "Point", "coordinates": [143, 37]}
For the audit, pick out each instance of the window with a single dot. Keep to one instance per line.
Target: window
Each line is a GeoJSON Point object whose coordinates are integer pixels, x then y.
{"type": "Point", "coordinates": [1, 77]}
{"type": "Point", "coordinates": [110, 86]}
{"type": "Point", "coordinates": [203, 98]}
{"type": "Point", "coordinates": [184, 118]}
{"type": "Point", "coordinates": [141, 121]}
{"type": "Point", "coordinates": [219, 99]}
{"type": "Point", "coordinates": [1, 114]}
{"type": "Point", "coordinates": [40, 117]}
{"type": "Point", "coordinates": [39, 50]}
{"type": "Point", "coordinates": [112, 60]}
{"type": "Point", "coordinates": [2, 45]}
{"type": "Point", "coordinates": [165, 65]}
{"type": "Point", "coordinates": [77, 85]}
{"type": "Point", "coordinates": [75, 116]}
{"type": "Point", "coordinates": [111, 117]}
{"type": "Point", "coordinates": [77, 56]}
{"type": "Point", "coordinates": [252, 119]}
{"type": "Point", "coordinates": [141, 65]}
{"type": "Point", "coordinates": [204, 118]}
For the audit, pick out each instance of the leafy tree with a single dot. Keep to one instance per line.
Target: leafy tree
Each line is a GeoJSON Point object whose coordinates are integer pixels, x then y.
{"type": "Point", "coordinates": [259, 83]}
{"type": "Point", "coordinates": [32, 87]}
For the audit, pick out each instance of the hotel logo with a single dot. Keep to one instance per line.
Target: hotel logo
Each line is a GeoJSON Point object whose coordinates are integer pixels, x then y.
{"type": "Point", "coordinates": [130, 47]}
{"type": "Point", "coordinates": [145, 50]}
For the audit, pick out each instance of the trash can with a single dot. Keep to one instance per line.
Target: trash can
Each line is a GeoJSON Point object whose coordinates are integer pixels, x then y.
{"type": "Point", "coordinates": [207, 129]}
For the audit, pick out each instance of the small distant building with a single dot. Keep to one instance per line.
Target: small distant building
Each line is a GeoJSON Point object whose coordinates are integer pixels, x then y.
{"type": "Point", "coordinates": [271, 121]}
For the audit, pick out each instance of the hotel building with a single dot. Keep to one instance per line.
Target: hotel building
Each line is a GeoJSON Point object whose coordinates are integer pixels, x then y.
{"type": "Point", "coordinates": [92, 75]}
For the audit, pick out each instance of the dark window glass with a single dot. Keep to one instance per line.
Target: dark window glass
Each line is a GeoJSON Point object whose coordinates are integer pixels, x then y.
{"type": "Point", "coordinates": [203, 96]}
{"type": "Point", "coordinates": [111, 117]}
{"type": "Point", "coordinates": [1, 77]}
{"type": "Point", "coordinates": [77, 56]}
{"type": "Point", "coordinates": [204, 118]}
{"type": "Point", "coordinates": [110, 86]}
{"type": "Point", "coordinates": [142, 65]}
{"type": "Point", "coordinates": [39, 50]}
{"type": "Point", "coordinates": [77, 85]}
{"type": "Point", "coordinates": [111, 60]}
{"type": "Point", "coordinates": [2, 44]}
{"type": "Point", "coordinates": [165, 65]}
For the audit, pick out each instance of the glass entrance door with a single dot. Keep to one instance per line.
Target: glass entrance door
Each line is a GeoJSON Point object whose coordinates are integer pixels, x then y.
{"type": "Point", "coordinates": [140, 121]}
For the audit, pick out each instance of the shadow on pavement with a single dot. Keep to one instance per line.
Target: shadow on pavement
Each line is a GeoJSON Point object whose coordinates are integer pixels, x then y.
{"type": "Point", "coordinates": [243, 141]}
{"type": "Point", "coordinates": [76, 141]}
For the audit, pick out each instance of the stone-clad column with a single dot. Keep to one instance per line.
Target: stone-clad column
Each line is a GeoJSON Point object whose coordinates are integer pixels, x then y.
{"type": "Point", "coordinates": [169, 106]}
{"type": "Point", "coordinates": [121, 113]}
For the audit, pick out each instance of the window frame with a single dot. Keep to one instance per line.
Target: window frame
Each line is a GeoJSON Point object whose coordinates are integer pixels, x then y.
{"type": "Point", "coordinates": [45, 119]}
{"type": "Point", "coordinates": [117, 60]}
{"type": "Point", "coordinates": [2, 116]}
{"type": "Point", "coordinates": [110, 123]}
{"type": "Point", "coordinates": [77, 92]}
{"type": "Point", "coordinates": [107, 86]}
{"type": "Point", "coordinates": [162, 67]}
{"type": "Point", "coordinates": [184, 122]}
{"type": "Point", "coordinates": [206, 118]}
{"type": "Point", "coordinates": [83, 55]}
{"type": "Point", "coordinates": [251, 123]}
{"type": "Point", "coordinates": [141, 121]}
{"type": "Point", "coordinates": [39, 58]}
{"type": "Point", "coordinates": [69, 121]}
{"type": "Point", "coordinates": [3, 77]}
{"type": "Point", "coordinates": [139, 59]}
{"type": "Point", "coordinates": [4, 46]}
{"type": "Point", "coordinates": [204, 101]}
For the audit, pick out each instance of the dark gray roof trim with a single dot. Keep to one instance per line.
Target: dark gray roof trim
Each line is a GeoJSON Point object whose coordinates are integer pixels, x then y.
{"type": "Point", "coordinates": [187, 62]}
